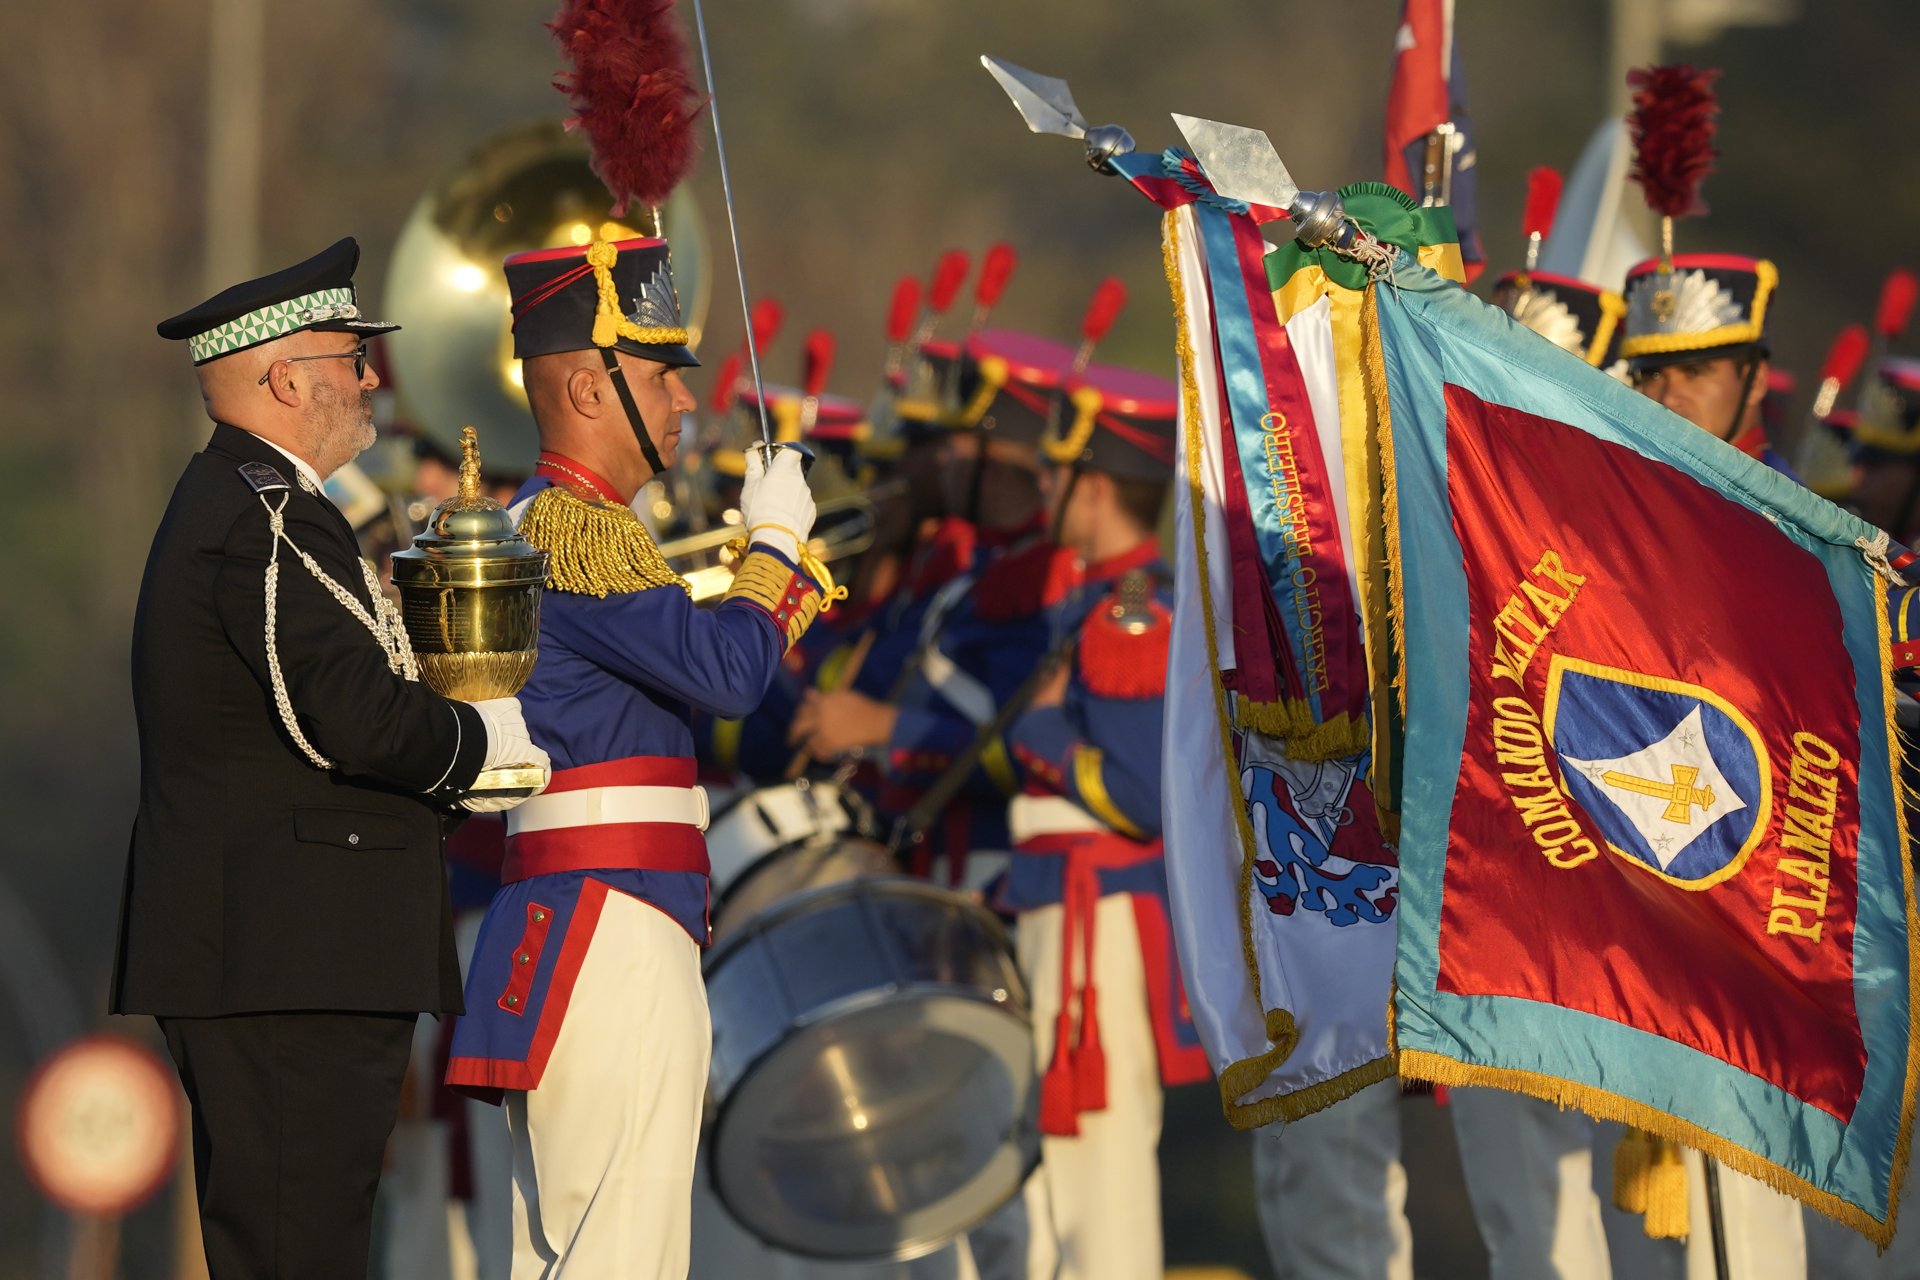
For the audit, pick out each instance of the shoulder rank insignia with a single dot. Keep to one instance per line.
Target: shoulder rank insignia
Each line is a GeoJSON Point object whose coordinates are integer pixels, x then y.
{"type": "Point", "coordinates": [1124, 642]}
{"type": "Point", "coordinates": [262, 478]}
{"type": "Point", "coordinates": [595, 548]}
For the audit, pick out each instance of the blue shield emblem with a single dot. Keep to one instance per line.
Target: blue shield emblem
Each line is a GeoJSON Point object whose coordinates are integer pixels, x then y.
{"type": "Point", "coordinates": [1675, 778]}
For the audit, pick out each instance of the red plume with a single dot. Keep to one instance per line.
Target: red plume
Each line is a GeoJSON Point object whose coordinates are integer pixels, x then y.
{"type": "Point", "coordinates": [632, 91]}
{"type": "Point", "coordinates": [1108, 300]}
{"type": "Point", "coordinates": [1846, 355]}
{"type": "Point", "coordinates": [947, 279]}
{"type": "Point", "coordinates": [1672, 123]}
{"type": "Point", "coordinates": [767, 317]}
{"type": "Point", "coordinates": [1543, 201]}
{"type": "Point", "coordinates": [1896, 303]}
{"type": "Point", "coordinates": [723, 383]}
{"type": "Point", "coordinates": [906, 305]}
{"type": "Point", "coordinates": [995, 270]}
{"type": "Point", "coordinates": [819, 362]}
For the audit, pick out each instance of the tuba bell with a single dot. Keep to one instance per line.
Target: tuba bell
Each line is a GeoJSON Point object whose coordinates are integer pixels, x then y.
{"type": "Point", "coordinates": [530, 187]}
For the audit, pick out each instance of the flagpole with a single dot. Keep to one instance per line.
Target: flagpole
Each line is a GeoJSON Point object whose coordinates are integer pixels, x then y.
{"type": "Point", "coordinates": [1716, 1220]}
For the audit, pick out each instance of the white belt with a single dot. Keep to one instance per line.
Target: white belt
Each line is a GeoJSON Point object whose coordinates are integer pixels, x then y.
{"type": "Point", "coordinates": [1030, 816]}
{"type": "Point", "coordinates": [599, 806]}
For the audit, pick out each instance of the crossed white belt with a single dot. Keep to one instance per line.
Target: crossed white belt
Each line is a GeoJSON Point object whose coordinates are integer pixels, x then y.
{"type": "Point", "coordinates": [600, 806]}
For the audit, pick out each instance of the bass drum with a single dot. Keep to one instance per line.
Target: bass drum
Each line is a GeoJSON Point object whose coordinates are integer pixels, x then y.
{"type": "Point", "coordinates": [873, 1081]}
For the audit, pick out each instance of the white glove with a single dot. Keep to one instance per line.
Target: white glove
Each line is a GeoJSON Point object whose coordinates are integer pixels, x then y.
{"type": "Point", "coordinates": [507, 744]}
{"type": "Point", "coordinates": [777, 495]}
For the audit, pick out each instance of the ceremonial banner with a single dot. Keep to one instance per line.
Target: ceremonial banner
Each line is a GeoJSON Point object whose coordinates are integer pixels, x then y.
{"type": "Point", "coordinates": [1426, 92]}
{"type": "Point", "coordinates": [1297, 660]}
{"type": "Point", "coordinates": [1651, 832]}
{"type": "Point", "coordinates": [1283, 891]}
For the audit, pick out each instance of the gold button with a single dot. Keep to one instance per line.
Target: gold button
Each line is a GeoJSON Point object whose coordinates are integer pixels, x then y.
{"type": "Point", "coordinates": [513, 999]}
{"type": "Point", "coordinates": [524, 958]}
{"type": "Point", "coordinates": [539, 916]}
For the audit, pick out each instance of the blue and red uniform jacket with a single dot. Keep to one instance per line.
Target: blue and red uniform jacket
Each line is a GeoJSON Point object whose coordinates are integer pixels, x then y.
{"type": "Point", "coordinates": [757, 747]}
{"type": "Point", "coordinates": [990, 630]}
{"type": "Point", "coordinates": [610, 700]}
{"type": "Point", "coordinates": [1087, 826]}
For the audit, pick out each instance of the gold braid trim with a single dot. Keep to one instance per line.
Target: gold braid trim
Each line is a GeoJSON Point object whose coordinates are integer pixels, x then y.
{"type": "Point", "coordinates": [595, 547]}
{"type": "Point", "coordinates": [609, 325]}
{"type": "Point", "coordinates": [765, 579]}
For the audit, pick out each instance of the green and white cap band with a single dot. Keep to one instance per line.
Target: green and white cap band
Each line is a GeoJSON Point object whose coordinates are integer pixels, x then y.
{"type": "Point", "coordinates": [270, 322]}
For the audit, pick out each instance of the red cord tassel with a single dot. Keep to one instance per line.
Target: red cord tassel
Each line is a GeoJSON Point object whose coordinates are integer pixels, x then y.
{"type": "Point", "coordinates": [1059, 1114]}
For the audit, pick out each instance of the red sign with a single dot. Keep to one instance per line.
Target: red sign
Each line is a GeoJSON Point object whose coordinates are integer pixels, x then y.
{"type": "Point", "coordinates": [99, 1125]}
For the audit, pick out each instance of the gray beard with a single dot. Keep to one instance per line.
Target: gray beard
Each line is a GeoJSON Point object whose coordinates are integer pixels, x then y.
{"type": "Point", "coordinates": [342, 427]}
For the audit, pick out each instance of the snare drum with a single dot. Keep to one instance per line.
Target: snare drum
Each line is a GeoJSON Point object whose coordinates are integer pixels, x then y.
{"type": "Point", "coordinates": [873, 1079]}
{"type": "Point", "coordinates": [766, 820]}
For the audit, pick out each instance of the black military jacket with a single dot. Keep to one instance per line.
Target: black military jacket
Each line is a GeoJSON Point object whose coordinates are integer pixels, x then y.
{"type": "Point", "coordinates": [256, 880]}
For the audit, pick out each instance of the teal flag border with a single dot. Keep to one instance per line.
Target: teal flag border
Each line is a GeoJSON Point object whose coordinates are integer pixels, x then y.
{"type": "Point", "coordinates": [1479, 347]}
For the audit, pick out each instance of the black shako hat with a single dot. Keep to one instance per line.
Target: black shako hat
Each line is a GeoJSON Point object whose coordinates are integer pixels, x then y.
{"type": "Point", "coordinates": [1119, 421]}
{"type": "Point", "coordinates": [1572, 314]}
{"type": "Point", "coordinates": [315, 294]}
{"type": "Point", "coordinates": [611, 293]}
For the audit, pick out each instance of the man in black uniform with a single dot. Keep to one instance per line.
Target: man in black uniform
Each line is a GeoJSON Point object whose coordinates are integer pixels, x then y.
{"type": "Point", "coordinates": [285, 913]}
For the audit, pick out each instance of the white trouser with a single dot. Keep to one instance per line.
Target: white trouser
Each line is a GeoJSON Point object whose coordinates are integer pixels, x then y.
{"type": "Point", "coordinates": [1093, 1206]}
{"type": "Point", "coordinates": [1332, 1193]}
{"type": "Point", "coordinates": [1766, 1237]}
{"type": "Point", "coordinates": [603, 1150]}
{"type": "Point", "coordinates": [1529, 1170]}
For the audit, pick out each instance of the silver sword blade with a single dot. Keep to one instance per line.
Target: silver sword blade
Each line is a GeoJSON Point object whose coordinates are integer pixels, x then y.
{"type": "Point", "coordinates": [1045, 103]}
{"type": "Point", "coordinates": [1240, 162]}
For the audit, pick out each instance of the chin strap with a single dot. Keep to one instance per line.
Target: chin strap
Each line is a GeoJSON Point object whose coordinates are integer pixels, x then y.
{"type": "Point", "coordinates": [618, 376]}
{"type": "Point", "coordinates": [1740, 405]}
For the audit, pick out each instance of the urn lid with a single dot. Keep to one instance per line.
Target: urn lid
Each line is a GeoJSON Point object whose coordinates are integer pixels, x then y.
{"type": "Point", "coordinates": [470, 539]}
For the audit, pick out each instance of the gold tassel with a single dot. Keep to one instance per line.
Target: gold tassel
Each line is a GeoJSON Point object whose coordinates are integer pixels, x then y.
{"type": "Point", "coordinates": [595, 547]}
{"type": "Point", "coordinates": [1631, 1159]}
{"type": "Point", "coordinates": [1666, 1190]}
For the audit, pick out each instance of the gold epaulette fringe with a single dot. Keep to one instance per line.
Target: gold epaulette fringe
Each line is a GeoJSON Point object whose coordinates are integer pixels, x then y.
{"type": "Point", "coordinates": [595, 547]}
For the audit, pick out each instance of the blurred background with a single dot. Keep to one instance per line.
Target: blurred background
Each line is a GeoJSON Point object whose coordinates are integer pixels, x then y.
{"type": "Point", "coordinates": [153, 150]}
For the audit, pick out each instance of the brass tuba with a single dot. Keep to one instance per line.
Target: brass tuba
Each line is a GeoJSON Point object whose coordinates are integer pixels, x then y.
{"type": "Point", "coordinates": [528, 188]}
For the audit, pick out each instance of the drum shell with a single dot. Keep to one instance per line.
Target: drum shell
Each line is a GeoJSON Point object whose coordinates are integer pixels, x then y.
{"type": "Point", "coordinates": [888, 1018]}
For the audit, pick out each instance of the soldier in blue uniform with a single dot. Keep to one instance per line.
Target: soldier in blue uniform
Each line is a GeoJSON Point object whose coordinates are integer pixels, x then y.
{"type": "Point", "coordinates": [982, 632]}
{"type": "Point", "coordinates": [1088, 880]}
{"type": "Point", "coordinates": [585, 1000]}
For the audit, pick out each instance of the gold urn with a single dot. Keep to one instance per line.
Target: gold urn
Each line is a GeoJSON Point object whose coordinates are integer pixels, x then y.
{"type": "Point", "coordinates": [470, 597]}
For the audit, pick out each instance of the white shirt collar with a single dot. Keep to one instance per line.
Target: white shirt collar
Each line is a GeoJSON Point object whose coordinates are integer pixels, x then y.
{"type": "Point", "coordinates": [301, 464]}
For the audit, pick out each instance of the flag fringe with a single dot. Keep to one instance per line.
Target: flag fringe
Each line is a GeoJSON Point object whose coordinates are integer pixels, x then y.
{"type": "Point", "coordinates": [1903, 796]}
{"type": "Point", "coordinates": [1374, 368]}
{"type": "Point", "coordinates": [1291, 720]}
{"type": "Point", "coordinates": [1301, 1103]}
{"type": "Point", "coordinates": [1422, 1064]}
{"type": "Point", "coordinates": [1278, 1020]}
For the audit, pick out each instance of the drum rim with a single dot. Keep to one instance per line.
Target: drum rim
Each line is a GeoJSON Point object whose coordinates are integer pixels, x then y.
{"type": "Point", "coordinates": [890, 886]}
{"type": "Point", "coordinates": [1024, 1139]}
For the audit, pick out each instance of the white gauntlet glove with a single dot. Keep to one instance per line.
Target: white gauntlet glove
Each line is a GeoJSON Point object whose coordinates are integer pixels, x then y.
{"type": "Point", "coordinates": [775, 504]}
{"type": "Point", "coordinates": [507, 744]}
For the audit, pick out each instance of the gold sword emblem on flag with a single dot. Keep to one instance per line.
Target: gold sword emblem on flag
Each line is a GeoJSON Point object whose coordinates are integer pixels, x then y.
{"type": "Point", "coordinates": [1680, 794]}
